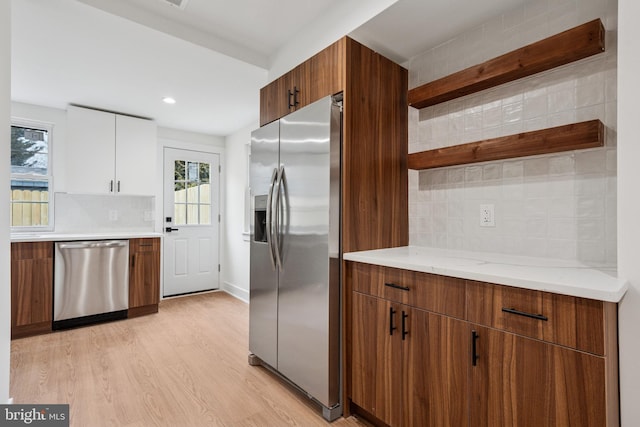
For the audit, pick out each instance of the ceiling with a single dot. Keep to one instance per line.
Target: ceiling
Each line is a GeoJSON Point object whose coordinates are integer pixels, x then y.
{"type": "Point", "coordinates": [212, 57]}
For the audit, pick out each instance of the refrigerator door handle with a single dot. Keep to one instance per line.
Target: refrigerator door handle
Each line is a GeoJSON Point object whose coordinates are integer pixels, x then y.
{"type": "Point", "coordinates": [281, 184]}
{"type": "Point", "coordinates": [270, 217]}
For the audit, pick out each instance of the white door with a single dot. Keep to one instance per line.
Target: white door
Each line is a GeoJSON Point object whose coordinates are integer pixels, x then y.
{"type": "Point", "coordinates": [191, 221]}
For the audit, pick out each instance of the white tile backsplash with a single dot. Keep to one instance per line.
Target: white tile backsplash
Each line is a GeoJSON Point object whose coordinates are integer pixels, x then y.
{"type": "Point", "coordinates": [559, 205]}
{"type": "Point", "coordinates": [85, 213]}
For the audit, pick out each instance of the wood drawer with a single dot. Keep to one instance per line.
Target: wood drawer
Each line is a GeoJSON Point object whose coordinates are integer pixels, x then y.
{"type": "Point", "coordinates": [560, 319]}
{"type": "Point", "coordinates": [147, 244]}
{"type": "Point", "coordinates": [439, 294]}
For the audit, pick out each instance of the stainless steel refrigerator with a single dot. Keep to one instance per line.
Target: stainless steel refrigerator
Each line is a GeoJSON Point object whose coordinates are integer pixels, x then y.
{"type": "Point", "coordinates": [294, 325]}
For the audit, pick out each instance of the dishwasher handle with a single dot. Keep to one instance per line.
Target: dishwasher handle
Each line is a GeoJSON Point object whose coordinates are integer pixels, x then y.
{"type": "Point", "coordinates": [85, 245]}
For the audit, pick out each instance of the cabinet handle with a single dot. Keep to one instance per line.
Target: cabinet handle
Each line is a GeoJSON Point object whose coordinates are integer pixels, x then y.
{"type": "Point", "coordinates": [293, 94]}
{"type": "Point", "coordinates": [525, 314]}
{"type": "Point", "coordinates": [111, 186]}
{"type": "Point", "coordinates": [391, 327]}
{"type": "Point", "coordinates": [118, 186]}
{"type": "Point", "coordinates": [474, 353]}
{"type": "Point", "coordinates": [393, 285]}
{"type": "Point", "coordinates": [404, 325]}
{"type": "Point", "coordinates": [133, 261]}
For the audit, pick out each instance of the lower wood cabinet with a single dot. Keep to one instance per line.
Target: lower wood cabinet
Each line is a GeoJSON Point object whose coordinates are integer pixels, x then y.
{"type": "Point", "coordinates": [414, 367]}
{"type": "Point", "coordinates": [409, 366]}
{"type": "Point", "coordinates": [31, 288]}
{"type": "Point", "coordinates": [144, 276]}
{"type": "Point", "coordinates": [518, 381]}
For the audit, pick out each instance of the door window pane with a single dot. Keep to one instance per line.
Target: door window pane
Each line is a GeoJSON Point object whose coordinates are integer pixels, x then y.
{"type": "Point", "coordinates": [192, 196]}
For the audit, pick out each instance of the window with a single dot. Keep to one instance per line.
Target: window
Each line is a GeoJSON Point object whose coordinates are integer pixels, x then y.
{"type": "Point", "coordinates": [30, 175]}
{"type": "Point", "coordinates": [192, 193]}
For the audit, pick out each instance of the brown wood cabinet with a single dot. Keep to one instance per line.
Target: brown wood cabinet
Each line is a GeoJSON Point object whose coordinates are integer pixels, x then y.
{"type": "Point", "coordinates": [144, 276]}
{"type": "Point", "coordinates": [375, 126]}
{"type": "Point", "coordinates": [31, 288]}
{"type": "Point", "coordinates": [514, 357]}
{"type": "Point", "coordinates": [409, 365]}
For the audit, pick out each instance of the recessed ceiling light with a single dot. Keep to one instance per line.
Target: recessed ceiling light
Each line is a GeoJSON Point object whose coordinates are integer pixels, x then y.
{"type": "Point", "coordinates": [168, 100]}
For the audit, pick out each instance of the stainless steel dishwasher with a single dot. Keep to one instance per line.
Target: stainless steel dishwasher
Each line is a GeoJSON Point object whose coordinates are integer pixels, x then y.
{"type": "Point", "coordinates": [91, 282]}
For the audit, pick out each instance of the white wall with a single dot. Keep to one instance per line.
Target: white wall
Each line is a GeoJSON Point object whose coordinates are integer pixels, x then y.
{"type": "Point", "coordinates": [235, 254]}
{"type": "Point", "coordinates": [629, 208]}
{"type": "Point", "coordinates": [340, 19]}
{"type": "Point", "coordinates": [5, 275]}
{"type": "Point", "coordinates": [556, 206]}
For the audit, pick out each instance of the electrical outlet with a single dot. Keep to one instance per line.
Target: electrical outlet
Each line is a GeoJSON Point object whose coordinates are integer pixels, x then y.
{"type": "Point", "coordinates": [487, 216]}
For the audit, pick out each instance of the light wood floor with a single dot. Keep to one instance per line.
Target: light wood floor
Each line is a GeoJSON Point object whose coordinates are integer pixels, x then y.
{"type": "Point", "coordinates": [185, 366]}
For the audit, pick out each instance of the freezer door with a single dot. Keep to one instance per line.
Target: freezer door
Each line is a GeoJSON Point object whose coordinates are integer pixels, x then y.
{"type": "Point", "coordinates": [308, 304]}
{"type": "Point", "coordinates": [263, 279]}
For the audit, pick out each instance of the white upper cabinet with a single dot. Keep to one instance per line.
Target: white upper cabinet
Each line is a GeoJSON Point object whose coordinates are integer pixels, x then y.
{"type": "Point", "coordinates": [109, 153]}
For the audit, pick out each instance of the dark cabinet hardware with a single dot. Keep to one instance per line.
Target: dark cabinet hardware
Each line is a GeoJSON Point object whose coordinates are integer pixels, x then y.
{"type": "Point", "coordinates": [404, 324]}
{"type": "Point", "coordinates": [393, 285]}
{"type": "Point", "coordinates": [293, 95]}
{"type": "Point", "coordinates": [118, 186]}
{"type": "Point", "coordinates": [170, 229]}
{"type": "Point", "coordinates": [474, 353]}
{"type": "Point", "coordinates": [391, 327]}
{"type": "Point", "coordinates": [133, 261]}
{"type": "Point", "coordinates": [525, 314]}
{"type": "Point", "coordinates": [111, 186]}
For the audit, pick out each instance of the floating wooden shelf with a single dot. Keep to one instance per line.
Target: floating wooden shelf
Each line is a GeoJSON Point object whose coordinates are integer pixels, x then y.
{"type": "Point", "coordinates": [561, 138]}
{"type": "Point", "coordinates": [569, 46]}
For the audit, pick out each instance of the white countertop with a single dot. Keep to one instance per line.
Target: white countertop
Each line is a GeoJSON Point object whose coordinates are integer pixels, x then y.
{"type": "Point", "coordinates": [552, 275]}
{"type": "Point", "coordinates": [58, 237]}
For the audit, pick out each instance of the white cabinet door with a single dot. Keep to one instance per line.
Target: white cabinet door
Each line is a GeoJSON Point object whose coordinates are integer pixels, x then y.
{"type": "Point", "coordinates": [136, 156]}
{"type": "Point", "coordinates": [110, 153]}
{"type": "Point", "coordinates": [90, 154]}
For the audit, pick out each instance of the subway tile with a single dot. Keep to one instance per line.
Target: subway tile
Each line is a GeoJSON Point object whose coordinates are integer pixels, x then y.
{"type": "Point", "coordinates": [562, 100]}
{"type": "Point", "coordinates": [513, 169]}
{"type": "Point", "coordinates": [591, 161]}
{"type": "Point", "coordinates": [591, 251]}
{"type": "Point", "coordinates": [536, 188]}
{"type": "Point", "coordinates": [590, 207]}
{"type": "Point", "coordinates": [563, 228]}
{"type": "Point", "coordinates": [492, 171]}
{"type": "Point", "coordinates": [591, 185]}
{"type": "Point", "coordinates": [536, 208]}
{"type": "Point", "coordinates": [473, 173]}
{"type": "Point", "coordinates": [591, 229]}
{"type": "Point", "coordinates": [561, 186]}
{"type": "Point", "coordinates": [513, 191]}
{"type": "Point", "coordinates": [535, 107]}
{"type": "Point", "coordinates": [562, 249]}
{"type": "Point", "coordinates": [455, 175]}
{"type": "Point", "coordinates": [537, 227]}
{"type": "Point", "coordinates": [536, 167]}
{"type": "Point", "coordinates": [513, 209]}
{"type": "Point", "coordinates": [590, 94]}
{"type": "Point", "coordinates": [562, 165]}
{"type": "Point", "coordinates": [562, 207]}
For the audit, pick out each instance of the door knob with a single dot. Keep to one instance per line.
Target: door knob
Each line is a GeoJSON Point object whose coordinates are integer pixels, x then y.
{"type": "Point", "coordinates": [169, 229]}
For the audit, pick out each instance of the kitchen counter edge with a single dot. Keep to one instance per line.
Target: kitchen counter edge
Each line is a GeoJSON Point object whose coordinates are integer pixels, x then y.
{"type": "Point", "coordinates": [62, 237]}
{"type": "Point", "coordinates": [542, 274]}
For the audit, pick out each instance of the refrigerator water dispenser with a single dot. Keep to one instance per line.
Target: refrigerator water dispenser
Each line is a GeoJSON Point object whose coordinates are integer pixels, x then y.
{"type": "Point", "coordinates": [260, 219]}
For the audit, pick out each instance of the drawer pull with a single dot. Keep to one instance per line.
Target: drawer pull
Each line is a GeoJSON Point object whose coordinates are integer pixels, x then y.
{"type": "Point", "coordinates": [393, 285]}
{"type": "Point", "coordinates": [404, 325]}
{"type": "Point", "coordinates": [474, 349]}
{"type": "Point", "coordinates": [525, 314]}
{"type": "Point", "coordinates": [391, 327]}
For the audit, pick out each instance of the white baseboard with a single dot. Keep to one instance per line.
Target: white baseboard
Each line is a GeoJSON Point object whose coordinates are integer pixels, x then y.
{"type": "Point", "coordinates": [235, 291]}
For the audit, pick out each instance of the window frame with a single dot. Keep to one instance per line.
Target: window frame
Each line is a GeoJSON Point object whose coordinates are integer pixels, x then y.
{"type": "Point", "coordinates": [49, 128]}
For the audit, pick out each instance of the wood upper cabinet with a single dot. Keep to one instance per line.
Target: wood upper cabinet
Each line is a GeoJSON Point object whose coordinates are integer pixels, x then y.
{"type": "Point", "coordinates": [31, 288]}
{"type": "Point", "coordinates": [374, 136]}
{"type": "Point", "coordinates": [518, 381]}
{"type": "Point", "coordinates": [319, 76]}
{"type": "Point", "coordinates": [144, 276]}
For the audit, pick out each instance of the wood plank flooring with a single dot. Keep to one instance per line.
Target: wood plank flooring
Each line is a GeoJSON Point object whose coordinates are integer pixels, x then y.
{"type": "Point", "coordinates": [184, 366]}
